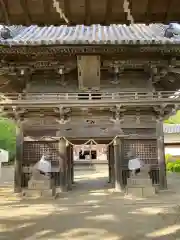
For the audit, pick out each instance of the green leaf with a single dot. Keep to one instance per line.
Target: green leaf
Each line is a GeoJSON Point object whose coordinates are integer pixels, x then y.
{"type": "Point", "coordinates": [8, 136]}
{"type": "Point", "coordinates": [174, 119]}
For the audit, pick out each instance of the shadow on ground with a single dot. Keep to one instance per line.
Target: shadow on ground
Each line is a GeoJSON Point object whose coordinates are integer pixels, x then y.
{"type": "Point", "coordinates": [91, 211]}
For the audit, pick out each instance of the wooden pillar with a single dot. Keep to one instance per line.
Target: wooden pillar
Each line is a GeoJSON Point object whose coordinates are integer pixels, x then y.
{"type": "Point", "coordinates": [161, 154]}
{"type": "Point", "coordinates": [18, 161]}
{"type": "Point", "coordinates": [111, 164]}
{"type": "Point", "coordinates": [118, 164]}
{"type": "Point", "coordinates": [72, 165]}
{"type": "Point", "coordinates": [124, 171]}
{"type": "Point", "coordinates": [69, 170]}
{"type": "Point", "coordinates": [62, 148]}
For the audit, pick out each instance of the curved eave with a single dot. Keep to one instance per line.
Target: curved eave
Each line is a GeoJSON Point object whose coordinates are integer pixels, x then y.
{"type": "Point", "coordinates": [81, 35]}
{"type": "Point", "coordinates": [28, 12]}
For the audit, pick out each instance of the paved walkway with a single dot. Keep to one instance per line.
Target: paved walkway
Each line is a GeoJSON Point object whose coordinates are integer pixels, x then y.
{"type": "Point", "coordinates": [91, 211]}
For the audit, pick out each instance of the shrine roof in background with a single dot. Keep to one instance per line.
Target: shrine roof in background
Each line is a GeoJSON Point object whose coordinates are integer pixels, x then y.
{"type": "Point", "coordinates": [42, 12]}
{"type": "Point", "coordinates": [171, 128]}
{"type": "Point", "coordinates": [137, 34]}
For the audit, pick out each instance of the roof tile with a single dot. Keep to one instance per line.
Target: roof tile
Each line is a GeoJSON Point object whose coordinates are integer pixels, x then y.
{"type": "Point", "coordinates": [94, 34]}
{"type": "Point", "coordinates": [171, 128]}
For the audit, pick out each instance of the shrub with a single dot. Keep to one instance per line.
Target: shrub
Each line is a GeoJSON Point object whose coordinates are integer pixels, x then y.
{"type": "Point", "coordinates": [168, 157]}
{"type": "Point", "coordinates": [173, 166]}
{"type": "Point", "coordinates": [8, 137]}
{"type": "Point", "coordinates": [176, 167]}
{"type": "Point", "coordinates": [170, 166]}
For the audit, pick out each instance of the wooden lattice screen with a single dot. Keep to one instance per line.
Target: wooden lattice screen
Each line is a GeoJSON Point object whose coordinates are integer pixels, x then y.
{"type": "Point", "coordinates": [145, 149]}
{"type": "Point", "coordinates": [33, 151]}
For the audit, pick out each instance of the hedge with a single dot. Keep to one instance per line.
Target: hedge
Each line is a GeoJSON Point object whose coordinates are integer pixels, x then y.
{"type": "Point", "coordinates": [173, 166]}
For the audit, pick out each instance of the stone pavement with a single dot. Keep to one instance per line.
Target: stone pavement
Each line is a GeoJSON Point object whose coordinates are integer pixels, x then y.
{"type": "Point", "coordinates": [91, 211]}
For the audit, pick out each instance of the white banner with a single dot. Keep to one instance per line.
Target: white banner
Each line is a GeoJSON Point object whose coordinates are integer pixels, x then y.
{"type": "Point", "coordinates": [4, 156]}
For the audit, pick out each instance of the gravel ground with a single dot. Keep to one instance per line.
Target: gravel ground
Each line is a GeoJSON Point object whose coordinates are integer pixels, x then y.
{"type": "Point", "coordinates": [91, 211]}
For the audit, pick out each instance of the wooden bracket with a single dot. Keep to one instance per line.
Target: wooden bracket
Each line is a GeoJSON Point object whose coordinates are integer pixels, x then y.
{"type": "Point", "coordinates": [160, 111]}
{"type": "Point", "coordinates": [157, 73]}
{"type": "Point", "coordinates": [118, 114]}
{"type": "Point", "coordinates": [173, 111]}
{"type": "Point", "coordinates": [17, 115]}
{"type": "Point", "coordinates": [138, 116]}
{"type": "Point", "coordinates": [63, 115]}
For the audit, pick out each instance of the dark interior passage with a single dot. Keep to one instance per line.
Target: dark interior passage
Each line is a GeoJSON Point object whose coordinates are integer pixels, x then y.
{"type": "Point", "coordinates": [83, 154]}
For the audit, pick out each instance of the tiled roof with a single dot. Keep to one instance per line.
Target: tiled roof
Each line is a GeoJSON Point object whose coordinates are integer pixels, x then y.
{"type": "Point", "coordinates": [95, 34]}
{"type": "Point", "coordinates": [171, 128]}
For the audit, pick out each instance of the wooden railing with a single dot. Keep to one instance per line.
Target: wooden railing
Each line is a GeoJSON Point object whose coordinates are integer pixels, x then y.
{"type": "Point", "coordinates": [15, 98]}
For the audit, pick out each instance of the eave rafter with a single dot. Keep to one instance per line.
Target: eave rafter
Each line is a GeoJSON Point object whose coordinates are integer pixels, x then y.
{"type": "Point", "coordinates": [108, 15]}
{"type": "Point", "coordinates": [26, 11]}
{"type": "Point", "coordinates": [168, 11]}
{"type": "Point", "coordinates": [148, 10]}
{"type": "Point", "coordinates": [47, 6]}
{"type": "Point", "coordinates": [5, 11]}
{"type": "Point", "coordinates": [87, 12]}
{"type": "Point", "coordinates": [67, 10]}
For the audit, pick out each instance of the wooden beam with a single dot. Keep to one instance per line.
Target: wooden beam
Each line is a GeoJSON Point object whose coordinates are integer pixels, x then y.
{"type": "Point", "coordinates": [5, 11]}
{"type": "Point", "coordinates": [108, 11]}
{"type": "Point", "coordinates": [26, 11]}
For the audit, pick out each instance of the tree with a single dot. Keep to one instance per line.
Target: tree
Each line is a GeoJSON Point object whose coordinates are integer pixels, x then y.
{"type": "Point", "coordinates": [174, 119]}
{"type": "Point", "coordinates": [8, 136]}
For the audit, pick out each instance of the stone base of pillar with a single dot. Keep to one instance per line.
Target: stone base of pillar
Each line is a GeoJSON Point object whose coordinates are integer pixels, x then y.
{"type": "Point", "coordinates": [141, 191]}
{"type": "Point", "coordinates": [62, 189]}
{"type": "Point", "coordinates": [119, 189]}
{"type": "Point", "coordinates": [140, 185]}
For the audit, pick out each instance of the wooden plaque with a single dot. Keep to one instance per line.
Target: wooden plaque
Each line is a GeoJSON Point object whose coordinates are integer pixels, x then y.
{"type": "Point", "coordinates": [88, 72]}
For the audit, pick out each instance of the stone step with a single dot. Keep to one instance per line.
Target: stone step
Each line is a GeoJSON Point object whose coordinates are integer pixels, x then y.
{"type": "Point", "coordinates": [141, 191]}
